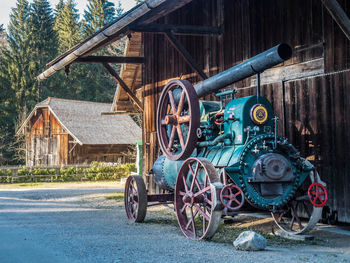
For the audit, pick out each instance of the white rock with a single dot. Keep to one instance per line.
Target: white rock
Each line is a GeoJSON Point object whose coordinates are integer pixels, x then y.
{"type": "Point", "coordinates": [251, 241]}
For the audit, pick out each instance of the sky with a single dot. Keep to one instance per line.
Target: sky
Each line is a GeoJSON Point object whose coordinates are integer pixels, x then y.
{"type": "Point", "coordinates": [6, 5]}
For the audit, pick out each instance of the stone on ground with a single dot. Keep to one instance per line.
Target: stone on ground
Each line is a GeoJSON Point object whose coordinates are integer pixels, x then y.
{"type": "Point", "coordinates": [251, 241]}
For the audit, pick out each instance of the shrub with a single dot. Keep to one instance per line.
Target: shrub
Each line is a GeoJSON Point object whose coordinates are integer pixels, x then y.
{"type": "Point", "coordinates": [97, 171]}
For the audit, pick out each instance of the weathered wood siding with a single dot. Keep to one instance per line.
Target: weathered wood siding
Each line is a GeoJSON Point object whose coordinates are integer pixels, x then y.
{"type": "Point", "coordinates": [49, 144]}
{"type": "Point", "coordinates": [313, 107]}
{"type": "Point", "coordinates": [102, 153]}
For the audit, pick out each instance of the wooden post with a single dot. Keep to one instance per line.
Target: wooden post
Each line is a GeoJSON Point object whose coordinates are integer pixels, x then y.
{"type": "Point", "coordinates": [124, 86]}
{"type": "Point", "coordinates": [339, 16]}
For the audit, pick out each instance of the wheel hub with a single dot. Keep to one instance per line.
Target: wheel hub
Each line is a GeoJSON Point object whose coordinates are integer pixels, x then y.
{"type": "Point", "coordinates": [188, 198]}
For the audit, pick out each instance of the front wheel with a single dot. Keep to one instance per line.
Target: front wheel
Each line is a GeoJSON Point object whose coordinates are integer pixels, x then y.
{"type": "Point", "coordinates": [135, 199]}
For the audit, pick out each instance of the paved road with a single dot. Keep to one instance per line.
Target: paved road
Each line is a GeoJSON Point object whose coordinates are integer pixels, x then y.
{"type": "Point", "coordinates": [78, 225]}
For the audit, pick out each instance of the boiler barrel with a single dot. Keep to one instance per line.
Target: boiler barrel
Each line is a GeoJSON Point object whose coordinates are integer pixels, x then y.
{"type": "Point", "coordinates": [250, 67]}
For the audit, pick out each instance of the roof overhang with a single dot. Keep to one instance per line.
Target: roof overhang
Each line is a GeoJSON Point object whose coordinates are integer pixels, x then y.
{"type": "Point", "coordinates": [142, 14]}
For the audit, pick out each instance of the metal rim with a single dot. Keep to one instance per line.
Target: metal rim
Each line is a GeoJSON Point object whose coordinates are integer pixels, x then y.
{"type": "Point", "coordinates": [196, 199]}
{"type": "Point", "coordinates": [174, 118]}
{"type": "Point", "coordinates": [290, 220]}
{"type": "Point", "coordinates": [232, 197]}
{"type": "Point", "coordinates": [135, 199]}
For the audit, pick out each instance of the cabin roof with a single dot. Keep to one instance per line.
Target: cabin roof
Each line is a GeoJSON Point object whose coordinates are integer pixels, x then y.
{"type": "Point", "coordinates": [84, 122]}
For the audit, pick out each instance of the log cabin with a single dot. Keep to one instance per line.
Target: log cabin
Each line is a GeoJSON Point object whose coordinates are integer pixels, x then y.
{"type": "Point", "coordinates": [64, 132]}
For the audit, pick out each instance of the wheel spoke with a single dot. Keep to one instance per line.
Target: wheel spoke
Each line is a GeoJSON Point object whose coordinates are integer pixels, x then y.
{"type": "Point", "coordinates": [194, 176]}
{"type": "Point", "coordinates": [237, 194]}
{"type": "Point", "coordinates": [197, 183]}
{"type": "Point", "coordinates": [183, 208]}
{"type": "Point", "coordinates": [172, 136]}
{"type": "Point", "coordinates": [202, 191]}
{"type": "Point", "coordinates": [237, 202]}
{"type": "Point", "coordinates": [185, 183]}
{"type": "Point", "coordinates": [201, 212]}
{"type": "Point", "coordinates": [193, 222]}
{"type": "Point", "coordinates": [319, 198]}
{"type": "Point", "coordinates": [172, 101]}
{"type": "Point", "coordinates": [180, 135]}
{"type": "Point", "coordinates": [181, 102]}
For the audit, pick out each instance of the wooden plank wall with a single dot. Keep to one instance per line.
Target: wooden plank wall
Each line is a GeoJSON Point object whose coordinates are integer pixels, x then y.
{"type": "Point", "coordinates": [102, 153]}
{"type": "Point", "coordinates": [314, 110]}
{"type": "Point", "coordinates": [49, 144]}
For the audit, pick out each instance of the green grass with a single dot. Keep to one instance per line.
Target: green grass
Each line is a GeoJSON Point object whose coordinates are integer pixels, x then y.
{"type": "Point", "coordinates": [116, 196]}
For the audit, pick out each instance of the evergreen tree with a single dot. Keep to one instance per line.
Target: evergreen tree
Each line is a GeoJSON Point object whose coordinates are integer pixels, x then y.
{"type": "Point", "coordinates": [19, 56]}
{"type": "Point", "coordinates": [119, 10]}
{"type": "Point", "coordinates": [42, 27]}
{"type": "Point", "coordinates": [45, 44]}
{"type": "Point", "coordinates": [98, 14]}
{"type": "Point", "coordinates": [67, 25]}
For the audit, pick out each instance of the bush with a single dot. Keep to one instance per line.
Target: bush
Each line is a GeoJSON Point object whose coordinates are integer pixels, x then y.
{"type": "Point", "coordinates": [96, 172]}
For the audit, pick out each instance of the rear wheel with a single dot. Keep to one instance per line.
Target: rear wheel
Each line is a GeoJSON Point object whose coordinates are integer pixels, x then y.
{"type": "Point", "coordinates": [135, 198]}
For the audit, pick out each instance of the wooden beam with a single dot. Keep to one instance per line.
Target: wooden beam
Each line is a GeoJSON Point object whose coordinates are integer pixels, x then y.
{"type": "Point", "coordinates": [178, 29]}
{"type": "Point", "coordinates": [111, 59]}
{"type": "Point", "coordinates": [184, 53]}
{"type": "Point", "coordinates": [339, 16]}
{"type": "Point", "coordinates": [128, 91]}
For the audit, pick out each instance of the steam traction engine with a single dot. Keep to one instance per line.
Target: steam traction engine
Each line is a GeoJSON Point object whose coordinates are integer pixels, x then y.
{"type": "Point", "coordinates": [216, 158]}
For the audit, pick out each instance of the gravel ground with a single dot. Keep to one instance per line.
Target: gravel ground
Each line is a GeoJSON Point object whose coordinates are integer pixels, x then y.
{"type": "Point", "coordinates": [78, 224]}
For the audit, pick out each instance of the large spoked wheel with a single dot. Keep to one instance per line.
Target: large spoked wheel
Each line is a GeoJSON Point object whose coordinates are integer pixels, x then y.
{"type": "Point", "coordinates": [197, 191]}
{"type": "Point", "coordinates": [292, 218]}
{"type": "Point", "coordinates": [135, 199]}
{"type": "Point", "coordinates": [178, 119]}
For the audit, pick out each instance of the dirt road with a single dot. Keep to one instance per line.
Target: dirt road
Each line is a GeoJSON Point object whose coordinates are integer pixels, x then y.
{"type": "Point", "coordinates": [76, 223]}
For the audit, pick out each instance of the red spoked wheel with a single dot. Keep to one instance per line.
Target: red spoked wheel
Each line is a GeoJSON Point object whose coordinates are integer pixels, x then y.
{"type": "Point", "coordinates": [178, 119]}
{"type": "Point", "coordinates": [135, 199]}
{"type": "Point", "coordinates": [317, 194]}
{"type": "Point", "coordinates": [232, 197]}
{"type": "Point", "coordinates": [197, 207]}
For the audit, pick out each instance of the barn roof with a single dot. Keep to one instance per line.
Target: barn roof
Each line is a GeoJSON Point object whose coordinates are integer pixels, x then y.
{"type": "Point", "coordinates": [84, 122]}
{"type": "Point", "coordinates": [142, 14]}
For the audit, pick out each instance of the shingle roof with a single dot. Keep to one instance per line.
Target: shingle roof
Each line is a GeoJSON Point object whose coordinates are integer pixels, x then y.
{"type": "Point", "coordinates": [83, 120]}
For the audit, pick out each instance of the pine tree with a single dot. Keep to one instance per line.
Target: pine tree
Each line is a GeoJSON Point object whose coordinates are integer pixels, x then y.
{"type": "Point", "coordinates": [119, 10]}
{"type": "Point", "coordinates": [19, 56]}
{"type": "Point", "coordinates": [67, 25]}
{"type": "Point", "coordinates": [42, 27]}
{"type": "Point", "coordinates": [45, 44]}
{"type": "Point", "coordinates": [98, 14]}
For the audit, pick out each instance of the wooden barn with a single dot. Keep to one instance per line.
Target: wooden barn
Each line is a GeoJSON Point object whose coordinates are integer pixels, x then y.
{"type": "Point", "coordinates": [62, 132]}
{"type": "Point", "coordinates": [196, 39]}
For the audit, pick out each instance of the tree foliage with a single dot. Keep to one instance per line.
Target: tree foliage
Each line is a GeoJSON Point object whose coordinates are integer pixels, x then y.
{"type": "Point", "coordinates": [98, 14]}
{"type": "Point", "coordinates": [36, 34]}
{"type": "Point", "coordinates": [67, 25]}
